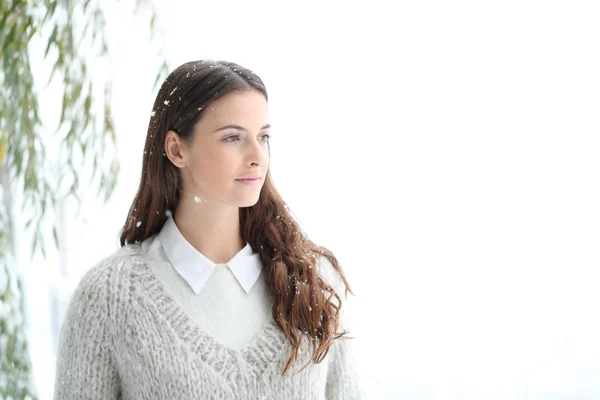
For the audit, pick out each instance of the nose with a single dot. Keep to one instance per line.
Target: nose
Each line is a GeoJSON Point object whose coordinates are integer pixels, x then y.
{"type": "Point", "coordinates": [259, 153]}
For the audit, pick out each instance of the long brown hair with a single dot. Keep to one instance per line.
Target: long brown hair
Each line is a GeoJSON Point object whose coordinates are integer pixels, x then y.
{"type": "Point", "coordinates": [303, 303]}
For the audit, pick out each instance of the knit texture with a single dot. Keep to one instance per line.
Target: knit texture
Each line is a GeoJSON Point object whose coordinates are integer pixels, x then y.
{"type": "Point", "coordinates": [125, 337]}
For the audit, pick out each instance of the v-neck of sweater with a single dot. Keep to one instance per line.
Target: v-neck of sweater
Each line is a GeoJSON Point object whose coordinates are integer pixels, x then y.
{"type": "Point", "coordinates": [257, 355]}
{"type": "Point", "coordinates": [223, 308]}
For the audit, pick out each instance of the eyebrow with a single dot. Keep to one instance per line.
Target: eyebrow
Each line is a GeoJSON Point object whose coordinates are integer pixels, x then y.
{"type": "Point", "coordinates": [240, 128]}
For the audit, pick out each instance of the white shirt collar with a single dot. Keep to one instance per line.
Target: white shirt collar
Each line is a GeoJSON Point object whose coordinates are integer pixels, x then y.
{"type": "Point", "coordinates": [195, 268]}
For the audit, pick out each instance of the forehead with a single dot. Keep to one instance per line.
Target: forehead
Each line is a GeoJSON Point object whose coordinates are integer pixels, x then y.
{"type": "Point", "coordinates": [250, 105]}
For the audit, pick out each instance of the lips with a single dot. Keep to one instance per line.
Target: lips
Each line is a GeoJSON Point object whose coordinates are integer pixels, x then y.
{"type": "Point", "coordinates": [249, 177]}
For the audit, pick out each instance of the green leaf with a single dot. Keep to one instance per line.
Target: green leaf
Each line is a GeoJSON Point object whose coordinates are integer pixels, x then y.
{"type": "Point", "coordinates": [77, 90]}
{"type": "Point", "coordinates": [64, 108]}
{"type": "Point", "coordinates": [83, 146]}
{"type": "Point", "coordinates": [3, 20]}
{"type": "Point", "coordinates": [61, 56]}
{"type": "Point", "coordinates": [152, 22]}
{"type": "Point", "coordinates": [18, 157]}
{"type": "Point", "coordinates": [156, 80]}
{"type": "Point", "coordinates": [54, 68]}
{"type": "Point", "coordinates": [35, 245]}
{"type": "Point", "coordinates": [51, 195]}
{"type": "Point", "coordinates": [32, 32]}
{"type": "Point", "coordinates": [9, 40]}
{"type": "Point", "coordinates": [94, 167]}
{"type": "Point", "coordinates": [49, 11]}
{"type": "Point", "coordinates": [86, 110]}
{"type": "Point", "coordinates": [55, 235]}
{"type": "Point", "coordinates": [51, 40]}
{"type": "Point", "coordinates": [7, 13]}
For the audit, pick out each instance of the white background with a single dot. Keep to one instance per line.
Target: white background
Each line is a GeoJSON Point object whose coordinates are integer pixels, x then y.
{"type": "Point", "coordinates": [446, 152]}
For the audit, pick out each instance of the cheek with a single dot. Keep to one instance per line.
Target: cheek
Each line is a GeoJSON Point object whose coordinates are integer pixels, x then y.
{"type": "Point", "coordinates": [211, 168]}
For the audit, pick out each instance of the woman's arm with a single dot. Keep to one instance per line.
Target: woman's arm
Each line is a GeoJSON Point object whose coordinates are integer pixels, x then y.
{"type": "Point", "coordinates": [343, 381]}
{"type": "Point", "coordinates": [85, 364]}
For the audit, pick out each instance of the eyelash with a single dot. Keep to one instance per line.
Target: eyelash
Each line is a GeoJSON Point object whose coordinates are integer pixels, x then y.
{"type": "Point", "coordinates": [230, 141]}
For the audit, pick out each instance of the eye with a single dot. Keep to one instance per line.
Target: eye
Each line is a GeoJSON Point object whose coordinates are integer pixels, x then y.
{"type": "Point", "coordinates": [227, 138]}
{"type": "Point", "coordinates": [237, 136]}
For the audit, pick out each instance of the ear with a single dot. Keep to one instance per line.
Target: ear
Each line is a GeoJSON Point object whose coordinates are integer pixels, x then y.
{"type": "Point", "coordinates": [174, 149]}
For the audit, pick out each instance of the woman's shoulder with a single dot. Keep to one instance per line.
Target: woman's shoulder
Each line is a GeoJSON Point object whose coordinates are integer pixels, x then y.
{"type": "Point", "coordinates": [97, 293]}
{"type": "Point", "coordinates": [110, 269]}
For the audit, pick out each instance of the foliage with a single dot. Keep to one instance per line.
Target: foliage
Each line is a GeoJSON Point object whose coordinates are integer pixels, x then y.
{"type": "Point", "coordinates": [85, 133]}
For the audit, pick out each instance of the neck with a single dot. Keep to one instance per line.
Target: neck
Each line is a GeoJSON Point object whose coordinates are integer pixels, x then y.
{"type": "Point", "coordinates": [212, 229]}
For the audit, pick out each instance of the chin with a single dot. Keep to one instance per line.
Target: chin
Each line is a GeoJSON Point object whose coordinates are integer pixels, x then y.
{"type": "Point", "coordinates": [249, 203]}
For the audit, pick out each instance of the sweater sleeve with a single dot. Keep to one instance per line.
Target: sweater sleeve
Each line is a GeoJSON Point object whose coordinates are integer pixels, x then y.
{"type": "Point", "coordinates": [85, 364]}
{"type": "Point", "coordinates": [343, 380]}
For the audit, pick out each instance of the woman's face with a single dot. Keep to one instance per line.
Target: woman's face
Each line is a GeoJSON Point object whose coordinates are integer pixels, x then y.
{"type": "Point", "coordinates": [220, 155]}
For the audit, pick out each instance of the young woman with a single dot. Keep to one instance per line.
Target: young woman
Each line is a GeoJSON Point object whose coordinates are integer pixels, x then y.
{"type": "Point", "coordinates": [215, 292]}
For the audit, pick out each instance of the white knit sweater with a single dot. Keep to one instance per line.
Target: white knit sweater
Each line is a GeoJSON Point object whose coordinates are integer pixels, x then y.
{"type": "Point", "coordinates": [125, 337]}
